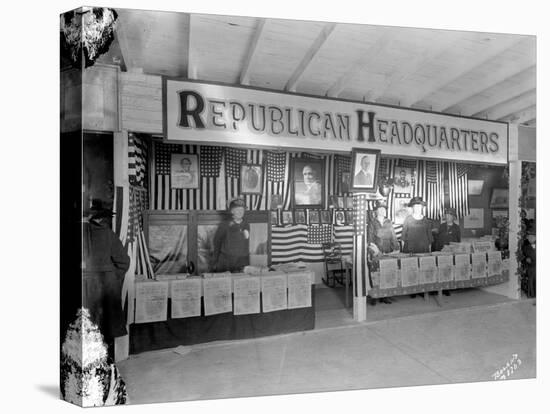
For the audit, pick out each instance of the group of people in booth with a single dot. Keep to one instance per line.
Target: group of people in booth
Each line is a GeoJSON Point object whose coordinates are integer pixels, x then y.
{"type": "Point", "coordinates": [418, 234]}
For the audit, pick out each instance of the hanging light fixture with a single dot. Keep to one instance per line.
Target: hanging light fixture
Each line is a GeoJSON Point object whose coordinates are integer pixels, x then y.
{"type": "Point", "coordinates": [87, 32]}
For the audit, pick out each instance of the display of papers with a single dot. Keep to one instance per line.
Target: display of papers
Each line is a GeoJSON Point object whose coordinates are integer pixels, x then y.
{"type": "Point", "coordinates": [246, 295]}
{"type": "Point", "coordinates": [388, 273]}
{"type": "Point", "coordinates": [479, 265]}
{"type": "Point", "coordinates": [482, 246]}
{"type": "Point", "coordinates": [217, 295]}
{"type": "Point", "coordinates": [462, 267]}
{"type": "Point", "coordinates": [186, 298]}
{"type": "Point", "coordinates": [494, 263]}
{"type": "Point", "coordinates": [151, 302]}
{"type": "Point", "coordinates": [428, 269]}
{"type": "Point", "coordinates": [274, 293]}
{"type": "Point", "coordinates": [409, 271]}
{"type": "Point", "coordinates": [445, 268]}
{"type": "Point", "coordinates": [299, 290]}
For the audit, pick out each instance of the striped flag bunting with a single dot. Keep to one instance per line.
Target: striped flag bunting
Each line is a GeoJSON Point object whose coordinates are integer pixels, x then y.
{"type": "Point", "coordinates": [344, 236]}
{"type": "Point", "coordinates": [234, 158]}
{"type": "Point", "coordinates": [137, 160]}
{"type": "Point", "coordinates": [290, 244]}
{"type": "Point", "coordinates": [434, 190]}
{"type": "Point", "coordinates": [458, 188]}
{"type": "Point", "coordinates": [360, 213]}
{"type": "Point", "coordinates": [319, 234]}
{"type": "Point", "coordinates": [398, 229]}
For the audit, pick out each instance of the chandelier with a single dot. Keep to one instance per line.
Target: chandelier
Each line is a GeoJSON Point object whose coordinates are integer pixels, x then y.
{"type": "Point", "coordinates": [87, 32]}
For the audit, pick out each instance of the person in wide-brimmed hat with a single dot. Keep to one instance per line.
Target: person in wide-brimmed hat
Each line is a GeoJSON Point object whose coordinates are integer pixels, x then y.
{"type": "Point", "coordinates": [417, 234]}
{"type": "Point", "coordinates": [448, 231]}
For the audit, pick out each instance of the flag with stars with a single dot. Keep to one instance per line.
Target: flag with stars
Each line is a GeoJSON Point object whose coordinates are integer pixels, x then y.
{"type": "Point", "coordinates": [137, 160]}
{"type": "Point", "coordinates": [275, 162]}
{"type": "Point", "coordinates": [210, 161]}
{"type": "Point", "coordinates": [234, 158]}
{"type": "Point", "coordinates": [360, 213]}
{"type": "Point", "coordinates": [319, 234]}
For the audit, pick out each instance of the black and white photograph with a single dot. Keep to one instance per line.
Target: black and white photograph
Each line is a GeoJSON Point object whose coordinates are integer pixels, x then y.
{"type": "Point", "coordinates": [184, 171]}
{"type": "Point", "coordinates": [251, 179]}
{"type": "Point", "coordinates": [267, 206]}
{"type": "Point", "coordinates": [364, 169]}
{"type": "Point", "coordinates": [308, 182]}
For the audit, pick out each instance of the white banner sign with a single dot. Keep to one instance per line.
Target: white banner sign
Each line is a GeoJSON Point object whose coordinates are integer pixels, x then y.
{"type": "Point", "coordinates": [186, 298]}
{"type": "Point", "coordinates": [246, 293]}
{"type": "Point", "coordinates": [151, 302]}
{"type": "Point", "coordinates": [217, 114]}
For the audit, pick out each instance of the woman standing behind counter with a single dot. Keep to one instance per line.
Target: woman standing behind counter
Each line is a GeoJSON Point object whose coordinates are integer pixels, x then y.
{"type": "Point", "coordinates": [417, 233]}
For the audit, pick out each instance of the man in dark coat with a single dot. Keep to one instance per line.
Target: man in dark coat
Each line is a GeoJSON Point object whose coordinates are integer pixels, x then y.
{"type": "Point", "coordinates": [104, 265]}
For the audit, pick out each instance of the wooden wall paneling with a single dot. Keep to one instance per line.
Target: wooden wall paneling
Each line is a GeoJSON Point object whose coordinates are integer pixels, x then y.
{"type": "Point", "coordinates": [141, 102]}
{"type": "Point", "coordinates": [100, 98]}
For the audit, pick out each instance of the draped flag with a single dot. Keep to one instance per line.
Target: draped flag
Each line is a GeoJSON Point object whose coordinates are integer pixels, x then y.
{"type": "Point", "coordinates": [275, 162]}
{"type": "Point", "coordinates": [434, 190]}
{"type": "Point", "coordinates": [342, 166]}
{"type": "Point", "coordinates": [458, 188]}
{"type": "Point", "coordinates": [290, 244]}
{"type": "Point", "coordinates": [166, 198]}
{"type": "Point", "coordinates": [344, 236]}
{"type": "Point", "coordinates": [359, 213]}
{"type": "Point", "coordinates": [210, 161]}
{"type": "Point", "coordinates": [137, 160]}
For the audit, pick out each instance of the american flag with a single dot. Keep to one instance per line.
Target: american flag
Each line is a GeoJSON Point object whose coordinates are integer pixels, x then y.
{"type": "Point", "coordinates": [319, 234]}
{"type": "Point", "coordinates": [434, 193]}
{"type": "Point", "coordinates": [458, 188]}
{"type": "Point", "coordinates": [344, 236]}
{"type": "Point", "coordinates": [206, 197]}
{"type": "Point", "coordinates": [135, 238]}
{"type": "Point", "coordinates": [359, 213]}
{"type": "Point", "coordinates": [234, 159]}
{"type": "Point", "coordinates": [275, 162]}
{"type": "Point", "coordinates": [290, 244]}
{"type": "Point", "coordinates": [137, 160]}
{"type": "Point", "coordinates": [210, 161]}
{"type": "Point", "coordinates": [342, 165]}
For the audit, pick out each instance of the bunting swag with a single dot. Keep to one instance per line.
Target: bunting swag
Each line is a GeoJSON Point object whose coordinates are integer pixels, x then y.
{"type": "Point", "coordinates": [137, 160]}
{"type": "Point", "coordinates": [458, 188]}
{"type": "Point", "coordinates": [434, 193]}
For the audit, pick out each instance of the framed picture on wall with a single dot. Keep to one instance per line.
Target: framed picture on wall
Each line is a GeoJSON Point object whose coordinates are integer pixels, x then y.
{"type": "Point", "coordinates": [364, 169]}
{"type": "Point", "coordinates": [475, 187]}
{"type": "Point", "coordinates": [274, 217]}
{"type": "Point", "coordinates": [300, 216]}
{"type": "Point", "coordinates": [403, 180]}
{"type": "Point", "coordinates": [313, 216]}
{"type": "Point", "coordinates": [499, 198]}
{"type": "Point", "coordinates": [349, 217]}
{"type": "Point", "coordinates": [339, 218]}
{"type": "Point", "coordinates": [184, 171]}
{"type": "Point", "coordinates": [251, 179]}
{"type": "Point", "coordinates": [308, 182]}
{"type": "Point", "coordinates": [288, 218]}
{"type": "Point", "coordinates": [325, 217]}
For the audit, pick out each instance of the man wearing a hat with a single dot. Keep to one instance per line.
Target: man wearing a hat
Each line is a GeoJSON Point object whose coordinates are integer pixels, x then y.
{"type": "Point", "coordinates": [448, 230]}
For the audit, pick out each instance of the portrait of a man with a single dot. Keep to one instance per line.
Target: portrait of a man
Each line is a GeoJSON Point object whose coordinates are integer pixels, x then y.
{"type": "Point", "coordinates": [364, 167]}
{"type": "Point", "coordinates": [403, 181]}
{"type": "Point", "coordinates": [308, 182]}
{"type": "Point", "coordinates": [184, 170]}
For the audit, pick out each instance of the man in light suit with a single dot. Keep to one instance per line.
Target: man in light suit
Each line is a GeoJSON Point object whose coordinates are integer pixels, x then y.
{"type": "Point", "coordinates": [364, 178]}
{"type": "Point", "coordinates": [308, 192]}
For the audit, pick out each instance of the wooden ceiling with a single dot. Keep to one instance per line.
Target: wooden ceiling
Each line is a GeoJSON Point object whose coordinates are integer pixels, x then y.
{"type": "Point", "coordinates": [485, 75]}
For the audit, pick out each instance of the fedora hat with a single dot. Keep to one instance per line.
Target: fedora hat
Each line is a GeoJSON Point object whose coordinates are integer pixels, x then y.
{"type": "Point", "coordinates": [451, 211]}
{"type": "Point", "coordinates": [416, 200]}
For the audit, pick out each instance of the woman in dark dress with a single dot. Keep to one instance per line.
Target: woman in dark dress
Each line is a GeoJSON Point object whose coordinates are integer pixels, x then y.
{"type": "Point", "coordinates": [417, 234]}
{"type": "Point", "coordinates": [231, 241]}
{"type": "Point", "coordinates": [448, 232]}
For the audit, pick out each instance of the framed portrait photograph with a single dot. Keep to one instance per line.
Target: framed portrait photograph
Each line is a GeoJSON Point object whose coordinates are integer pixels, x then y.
{"type": "Point", "coordinates": [300, 216]}
{"type": "Point", "coordinates": [349, 201]}
{"type": "Point", "coordinates": [325, 217]}
{"type": "Point", "coordinates": [274, 217]}
{"type": "Point", "coordinates": [313, 216]}
{"type": "Point", "coordinates": [341, 202]}
{"type": "Point", "coordinates": [364, 169]}
{"type": "Point", "coordinates": [403, 180]}
{"type": "Point", "coordinates": [307, 183]}
{"type": "Point", "coordinates": [349, 217]}
{"type": "Point", "coordinates": [288, 218]}
{"type": "Point", "coordinates": [499, 198]}
{"type": "Point", "coordinates": [184, 171]}
{"type": "Point", "coordinates": [251, 179]}
{"type": "Point", "coordinates": [339, 218]}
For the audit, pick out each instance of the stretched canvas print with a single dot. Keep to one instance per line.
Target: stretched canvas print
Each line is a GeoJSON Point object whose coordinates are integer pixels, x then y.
{"type": "Point", "coordinates": [207, 159]}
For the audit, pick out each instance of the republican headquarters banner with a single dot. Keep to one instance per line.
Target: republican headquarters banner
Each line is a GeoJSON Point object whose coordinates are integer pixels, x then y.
{"type": "Point", "coordinates": [208, 113]}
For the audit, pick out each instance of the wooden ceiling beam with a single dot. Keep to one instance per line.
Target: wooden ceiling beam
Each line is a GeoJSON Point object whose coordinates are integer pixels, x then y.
{"type": "Point", "coordinates": [313, 50]}
{"type": "Point", "coordinates": [253, 48]}
{"type": "Point", "coordinates": [192, 61]}
{"type": "Point", "coordinates": [521, 116]}
{"type": "Point", "coordinates": [122, 39]}
{"type": "Point", "coordinates": [481, 85]}
{"type": "Point", "coordinates": [509, 106]}
{"type": "Point", "coordinates": [337, 88]}
{"type": "Point", "coordinates": [457, 71]}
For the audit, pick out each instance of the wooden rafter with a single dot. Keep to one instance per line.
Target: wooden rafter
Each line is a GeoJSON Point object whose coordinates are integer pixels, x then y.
{"type": "Point", "coordinates": [457, 71]}
{"type": "Point", "coordinates": [509, 106]}
{"type": "Point", "coordinates": [120, 35]}
{"type": "Point", "coordinates": [492, 79]}
{"type": "Point", "coordinates": [192, 70]}
{"type": "Point", "coordinates": [337, 88]}
{"type": "Point", "coordinates": [521, 116]}
{"type": "Point", "coordinates": [313, 50]}
{"type": "Point", "coordinates": [245, 71]}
